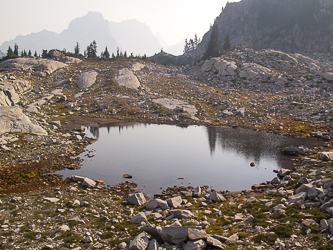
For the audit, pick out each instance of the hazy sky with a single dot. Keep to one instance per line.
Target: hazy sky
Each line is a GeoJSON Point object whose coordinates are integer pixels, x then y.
{"type": "Point", "coordinates": [173, 20]}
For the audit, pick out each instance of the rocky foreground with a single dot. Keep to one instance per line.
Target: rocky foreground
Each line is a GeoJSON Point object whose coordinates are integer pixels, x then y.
{"type": "Point", "coordinates": [292, 211]}
{"type": "Point", "coordinates": [45, 104]}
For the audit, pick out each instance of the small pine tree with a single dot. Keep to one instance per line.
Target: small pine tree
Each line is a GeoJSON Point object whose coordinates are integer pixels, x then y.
{"type": "Point", "coordinates": [25, 53]}
{"type": "Point", "coordinates": [16, 49]}
{"type": "Point", "coordinates": [118, 54]}
{"type": "Point", "coordinates": [9, 52]}
{"type": "Point", "coordinates": [45, 54]}
{"type": "Point", "coordinates": [29, 53]}
{"type": "Point", "coordinates": [186, 47]}
{"type": "Point", "coordinates": [106, 53]}
{"type": "Point", "coordinates": [77, 48]}
{"type": "Point", "coordinates": [113, 56]}
{"type": "Point", "coordinates": [125, 54]}
{"type": "Point", "coordinates": [35, 55]}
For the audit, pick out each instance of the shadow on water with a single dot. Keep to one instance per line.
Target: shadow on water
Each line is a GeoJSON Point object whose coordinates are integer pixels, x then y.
{"type": "Point", "coordinates": [158, 155]}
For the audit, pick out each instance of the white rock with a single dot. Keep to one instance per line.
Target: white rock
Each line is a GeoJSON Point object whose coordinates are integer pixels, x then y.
{"type": "Point", "coordinates": [175, 202]}
{"type": "Point", "coordinates": [216, 197]}
{"type": "Point", "coordinates": [136, 199]}
{"type": "Point", "coordinates": [86, 79]}
{"type": "Point", "coordinates": [156, 203]}
{"type": "Point", "coordinates": [138, 218]}
{"type": "Point", "coordinates": [122, 245]}
{"type": "Point", "coordinates": [195, 245]}
{"type": "Point", "coordinates": [87, 182]}
{"type": "Point", "coordinates": [140, 242]}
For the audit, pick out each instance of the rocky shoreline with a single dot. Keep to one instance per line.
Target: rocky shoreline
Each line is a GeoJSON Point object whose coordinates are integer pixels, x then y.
{"type": "Point", "coordinates": [45, 103]}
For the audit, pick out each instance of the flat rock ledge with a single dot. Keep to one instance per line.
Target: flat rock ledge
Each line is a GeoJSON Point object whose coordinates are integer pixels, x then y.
{"type": "Point", "coordinates": [13, 120]}
{"type": "Point", "coordinates": [177, 105]}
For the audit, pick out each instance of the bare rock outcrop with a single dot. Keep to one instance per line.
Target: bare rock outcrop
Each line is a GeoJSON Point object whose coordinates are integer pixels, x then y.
{"type": "Point", "coordinates": [10, 91]}
{"type": "Point", "coordinates": [13, 120]}
{"type": "Point", "coordinates": [86, 79]}
{"type": "Point", "coordinates": [32, 64]}
{"type": "Point", "coordinates": [127, 79]}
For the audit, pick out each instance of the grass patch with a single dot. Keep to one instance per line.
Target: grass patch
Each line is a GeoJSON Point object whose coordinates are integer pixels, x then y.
{"type": "Point", "coordinates": [283, 231]}
{"type": "Point", "coordinates": [268, 238]}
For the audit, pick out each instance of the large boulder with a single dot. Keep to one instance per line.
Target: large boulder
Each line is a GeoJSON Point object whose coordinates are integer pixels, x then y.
{"type": "Point", "coordinates": [171, 234]}
{"type": "Point", "coordinates": [156, 203]}
{"type": "Point", "coordinates": [140, 242]}
{"type": "Point", "coordinates": [252, 70]}
{"type": "Point", "coordinates": [86, 79]}
{"type": "Point", "coordinates": [175, 202]}
{"type": "Point", "coordinates": [226, 68]}
{"type": "Point", "coordinates": [136, 199]}
{"type": "Point", "coordinates": [182, 214]}
{"type": "Point", "coordinates": [138, 218]}
{"type": "Point", "coordinates": [216, 197]}
{"type": "Point", "coordinates": [13, 120]}
{"type": "Point", "coordinates": [326, 156]}
{"type": "Point", "coordinates": [127, 79]}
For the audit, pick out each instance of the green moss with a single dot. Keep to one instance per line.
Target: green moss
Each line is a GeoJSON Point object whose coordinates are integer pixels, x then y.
{"type": "Point", "coordinates": [30, 235]}
{"type": "Point", "coordinates": [268, 238]}
{"type": "Point", "coordinates": [315, 229]}
{"type": "Point", "coordinates": [283, 231]}
{"type": "Point", "coordinates": [23, 177]}
{"type": "Point", "coordinates": [318, 215]}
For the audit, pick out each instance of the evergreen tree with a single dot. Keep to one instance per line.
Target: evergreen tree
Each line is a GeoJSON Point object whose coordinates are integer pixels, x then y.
{"type": "Point", "coordinates": [29, 53]}
{"type": "Point", "coordinates": [77, 49]}
{"type": "Point", "coordinates": [22, 54]}
{"type": "Point", "coordinates": [113, 56]}
{"type": "Point", "coordinates": [214, 42]}
{"type": "Point", "coordinates": [106, 53]}
{"type": "Point", "coordinates": [186, 48]}
{"type": "Point", "coordinates": [16, 49]}
{"type": "Point", "coordinates": [226, 44]}
{"type": "Point", "coordinates": [35, 55]}
{"type": "Point", "coordinates": [45, 54]}
{"type": "Point", "coordinates": [118, 52]}
{"type": "Point", "coordinates": [25, 53]}
{"type": "Point", "coordinates": [125, 54]}
{"type": "Point", "coordinates": [92, 50]}
{"type": "Point", "coordinates": [9, 52]}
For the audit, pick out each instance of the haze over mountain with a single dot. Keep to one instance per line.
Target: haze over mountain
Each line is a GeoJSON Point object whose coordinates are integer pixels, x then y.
{"type": "Point", "coordinates": [131, 35]}
{"type": "Point", "coordinates": [292, 26]}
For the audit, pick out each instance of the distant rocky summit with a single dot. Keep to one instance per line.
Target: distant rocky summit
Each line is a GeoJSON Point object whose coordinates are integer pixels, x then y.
{"type": "Point", "coordinates": [292, 26]}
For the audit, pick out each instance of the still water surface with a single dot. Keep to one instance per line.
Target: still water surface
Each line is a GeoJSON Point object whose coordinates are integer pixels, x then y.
{"type": "Point", "coordinates": [157, 155]}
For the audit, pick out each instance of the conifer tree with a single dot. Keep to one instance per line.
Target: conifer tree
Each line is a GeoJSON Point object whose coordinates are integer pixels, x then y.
{"type": "Point", "coordinates": [9, 52]}
{"type": "Point", "coordinates": [77, 48]}
{"type": "Point", "coordinates": [226, 44]}
{"type": "Point", "coordinates": [16, 49]}
{"type": "Point", "coordinates": [29, 53]}
{"type": "Point", "coordinates": [214, 42]}
{"type": "Point", "coordinates": [35, 55]}
{"type": "Point", "coordinates": [125, 54]}
{"type": "Point", "coordinates": [106, 53]}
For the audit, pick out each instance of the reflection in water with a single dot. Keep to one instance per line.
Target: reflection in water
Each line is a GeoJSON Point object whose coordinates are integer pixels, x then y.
{"type": "Point", "coordinates": [251, 144]}
{"type": "Point", "coordinates": [157, 155]}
